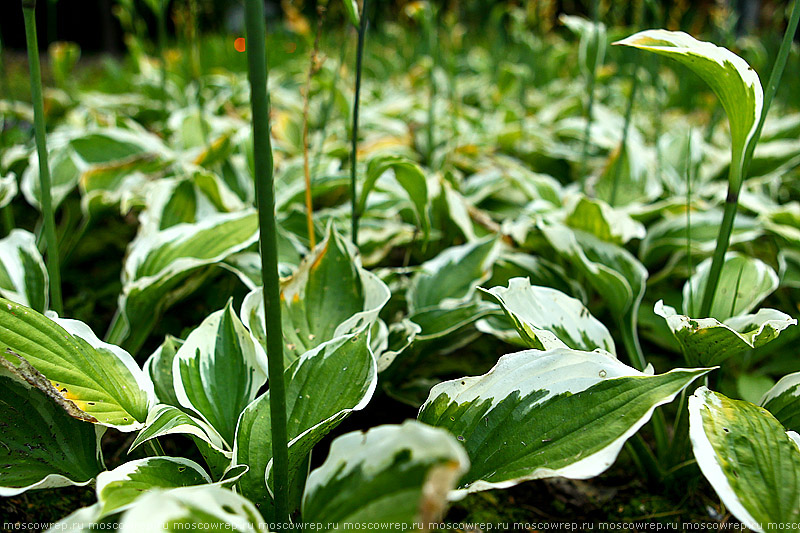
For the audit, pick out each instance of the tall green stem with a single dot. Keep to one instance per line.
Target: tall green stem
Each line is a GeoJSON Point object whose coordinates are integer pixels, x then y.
{"type": "Point", "coordinates": [430, 30]}
{"type": "Point", "coordinates": [625, 129]}
{"type": "Point", "coordinates": [265, 196]}
{"type": "Point", "coordinates": [162, 48]}
{"type": "Point", "coordinates": [739, 173]}
{"type": "Point", "coordinates": [53, 268]}
{"type": "Point", "coordinates": [362, 33]}
{"type": "Point", "coordinates": [590, 105]}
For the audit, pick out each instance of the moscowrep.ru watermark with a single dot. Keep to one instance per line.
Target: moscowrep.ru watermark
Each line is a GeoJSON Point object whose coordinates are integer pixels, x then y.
{"type": "Point", "coordinates": [454, 527]}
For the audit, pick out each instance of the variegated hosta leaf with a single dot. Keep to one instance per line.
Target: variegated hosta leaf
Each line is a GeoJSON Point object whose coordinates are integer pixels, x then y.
{"type": "Point", "coordinates": [118, 489]}
{"type": "Point", "coordinates": [547, 319]}
{"type": "Point", "coordinates": [158, 269]}
{"type": "Point", "coordinates": [783, 401]}
{"type": "Point", "coordinates": [452, 277]}
{"type": "Point", "coordinates": [8, 189]}
{"type": "Point", "coordinates": [735, 83]}
{"type": "Point", "coordinates": [341, 371]}
{"type": "Point", "coordinates": [668, 236]}
{"type": "Point", "coordinates": [41, 446]}
{"type": "Point", "coordinates": [23, 275]}
{"type": "Point", "coordinates": [749, 459]}
{"type": "Point", "coordinates": [190, 198]}
{"type": "Point", "coordinates": [613, 272]}
{"type": "Point", "coordinates": [399, 336]}
{"type": "Point", "coordinates": [159, 367]}
{"type": "Point", "coordinates": [168, 420]}
{"type": "Point", "coordinates": [98, 382]}
{"type": "Point", "coordinates": [603, 221]}
{"type": "Point", "coordinates": [544, 414]}
{"type": "Point", "coordinates": [330, 295]}
{"type": "Point", "coordinates": [81, 520]}
{"type": "Point", "coordinates": [593, 41]}
{"type": "Point", "coordinates": [627, 177]}
{"type": "Point", "coordinates": [390, 474]}
{"type": "Point", "coordinates": [410, 177]}
{"type": "Point", "coordinates": [784, 221]}
{"type": "Point", "coordinates": [218, 370]}
{"type": "Point", "coordinates": [195, 508]}
{"type": "Point", "coordinates": [743, 283]}
{"type": "Point", "coordinates": [707, 341]}
{"type": "Point", "coordinates": [65, 171]}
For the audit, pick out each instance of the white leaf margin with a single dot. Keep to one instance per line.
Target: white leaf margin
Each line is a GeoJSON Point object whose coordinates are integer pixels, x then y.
{"type": "Point", "coordinates": [707, 458]}
{"type": "Point", "coordinates": [25, 242]}
{"type": "Point", "coordinates": [80, 329]}
{"type": "Point", "coordinates": [555, 371]}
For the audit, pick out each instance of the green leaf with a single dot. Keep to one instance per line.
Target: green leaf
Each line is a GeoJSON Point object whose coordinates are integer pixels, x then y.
{"type": "Point", "coordinates": [202, 507]}
{"type": "Point", "coordinates": [628, 177]}
{"type": "Point", "coordinates": [547, 319]}
{"type": "Point", "coordinates": [743, 283]}
{"type": "Point", "coordinates": [8, 189]}
{"type": "Point", "coordinates": [342, 371]}
{"type": "Point", "coordinates": [451, 278]}
{"type": "Point", "coordinates": [159, 367]}
{"type": "Point", "coordinates": [749, 459]}
{"type": "Point", "coordinates": [439, 322]}
{"type": "Point", "coordinates": [158, 270]}
{"type": "Point", "coordinates": [330, 295]}
{"type": "Point", "coordinates": [734, 82]}
{"type": "Point", "coordinates": [101, 380]}
{"type": "Point", "coordinates": [783, 401]}
{"type": "Point", "coordinates": [168, 420]}
{"type": "Point", "coordinates": [118, 489]}
{"type": "Point", "coordinates": [668, 237]}
{"type": "Point", "coordinates": [589, 47]}
{"type": "Point", "coordinates": [784, 221]}
{"type": "Point", "coordinates": [409, 175]}
{"type": "Point", "coordinates": [218, 370]}
{"type": "Point", "coordinates": [613, 272]}
{"type": "Point", "coordinates": [42, 446]}
{"type": "Point", "coordinates": [544, 414]}
{"type": "Point", "coordinates": [391, 474]}
{"type": "Point", "coordinates": [23, 275]}
{"type": "Point", "coordinates": [707, 341]}
{"type": "Point", "coordinates": [603, 221]}
{"type": "Point", "coordinates": [351, 8]}
{"type": "Point", "coordinates": [65, 171]}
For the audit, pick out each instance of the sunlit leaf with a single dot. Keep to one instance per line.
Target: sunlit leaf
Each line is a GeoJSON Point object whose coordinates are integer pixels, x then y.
{"type": "Point", "coordinates": [23, 275]}
{"type": "Point", "coordinates": [783, 401]}
{"type": "Point", "coordinates": [735, 83]}
{"type": "Point", "coordinates": [749, 459]}
{"type": "Point", "coordinates": [218, 371]}
{"type": "Point", "coordinates": [743, 283]}
{"type": "Point", "coordinates": [397, 475]}
{"type": "Point", "coordinates": [545, 414]}
{"type": "Point", "coordinates": [707, 341]}
{"type": "Point", "coordinates": [342, 371]}
{"type": "Point", "coordinates": [547, 319]}
{"type": "Point", "coordinates": [100, 380]}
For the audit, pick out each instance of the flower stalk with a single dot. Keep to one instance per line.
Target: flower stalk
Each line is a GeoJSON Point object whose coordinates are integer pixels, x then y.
{"type": "Point", "coordinates": [265, 198]}
{"type": "Point", "coordinates": [52, 258]}
{"type": "Point", "coordinates": [355, 215]}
